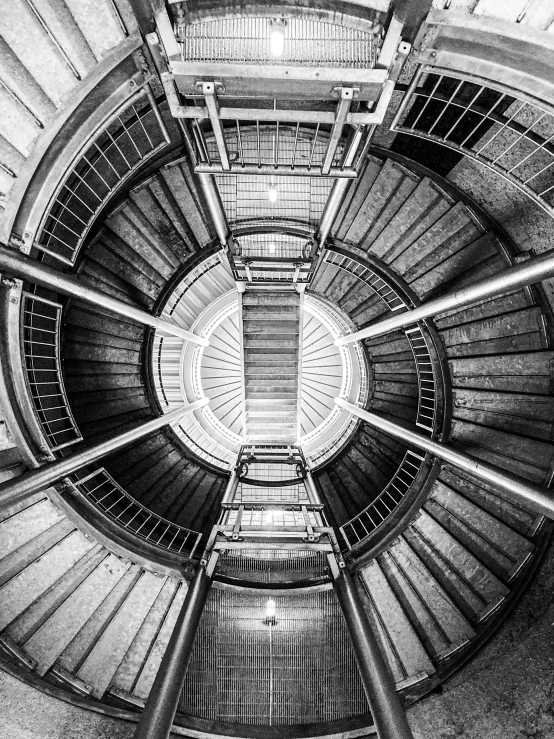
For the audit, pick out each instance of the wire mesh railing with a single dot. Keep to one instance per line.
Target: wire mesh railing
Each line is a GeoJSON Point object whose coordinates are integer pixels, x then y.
{"type": "Point", "coordinates": [502, 129]}
{"type": "Point", "coordinates": [41, 354]}
{"type": "Point", "coordinates": [366, 522]}
{"type": "Point", "coordinates": [103, 491]}
{"type": "Point", "coordinates": [132, 135]}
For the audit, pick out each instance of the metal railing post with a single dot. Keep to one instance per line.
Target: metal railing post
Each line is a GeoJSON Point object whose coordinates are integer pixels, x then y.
{"type": "Point", "coordinates": [18, 265]}
{"type": "Point", "coordinates": [387, 711]}
{"type": "Point", "coordinates": [157, 718]}
{"type": "Point", "coordinates": [532, 497]}
{"type": "Point", "coordinates": [535, 269]}
{"type": "Point", "coordinates": [35, 480]}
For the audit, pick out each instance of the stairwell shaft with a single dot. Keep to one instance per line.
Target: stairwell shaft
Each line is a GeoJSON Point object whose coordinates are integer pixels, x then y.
{"type": "Point", "coordinates": [161, 705]}
{"type": "Point", "coordinates": [25, 268]}
{"type": "Point", "coordinates": [387, 711]}
{"type": "Point", "coordinates": [524, 493]}
{"type": "Point", "coordinates": [33, 481]}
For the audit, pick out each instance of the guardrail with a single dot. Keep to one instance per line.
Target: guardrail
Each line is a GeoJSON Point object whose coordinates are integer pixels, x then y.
{"type": "Point", "coordinates": [40, 324]}
{"type": "Point", "coordinates": [496, 126]}
{"type": "Point", "coordinates": [134, 133]}
{"type": "Point", "coordinates": [107, 495]}
{"type": "Point", "coordinates": [365, 523]}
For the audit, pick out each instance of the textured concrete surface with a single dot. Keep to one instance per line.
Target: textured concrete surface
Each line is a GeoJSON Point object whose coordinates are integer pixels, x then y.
{"type": "Point", "coordinates": [526, 224]}
{"type": "Point", "coordinates": [29, 714]}
{"type": "Point", "coordinates": [507, 692]}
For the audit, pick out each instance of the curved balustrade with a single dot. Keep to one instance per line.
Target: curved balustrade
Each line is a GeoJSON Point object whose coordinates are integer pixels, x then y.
{"type": "Point", "coordinates": [362, 525]}
{"type": "Point", "coordinates": [41, 354]}
{"type": "Point", "coordinates": [365, 523]}
{"type": "Point", "coordinates": [100, 488]}
{"type": "Point", "coordinates": [492, 124]}
{"type": "Point", "coordinates": [133, 134]}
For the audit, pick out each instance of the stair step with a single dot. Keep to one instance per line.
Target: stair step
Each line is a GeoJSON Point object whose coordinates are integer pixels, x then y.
{"type": "Point", "coordinates": [270, 298]}
{"type": "Point", "coordinates": [279, 343]}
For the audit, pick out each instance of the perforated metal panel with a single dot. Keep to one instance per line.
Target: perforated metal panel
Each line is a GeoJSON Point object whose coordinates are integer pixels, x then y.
{"type": "Point", "coordinates": [300, 670]}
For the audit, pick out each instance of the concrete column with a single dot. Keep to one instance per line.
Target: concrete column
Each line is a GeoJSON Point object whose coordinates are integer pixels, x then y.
{"type": "Point", "coordinates": [18, 265]}
{"type": "Point", "coordinates": [529, 272]}
{"type": "Point", "coordinates": [532, 497]}
{"type": "Point", "coordinates": [159, 711]}
{"type": "Point", "coordinates": [387, 711]}
{"type": "Point", "coordinates": [32, 481]}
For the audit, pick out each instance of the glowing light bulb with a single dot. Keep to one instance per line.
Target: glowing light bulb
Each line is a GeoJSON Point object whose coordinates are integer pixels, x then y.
{"type": "Point", "coordinates": [272, 194]}
{"type": "Point", "coordinates": [277, 38]}
{"type": "Point", "coordinates": [270, 610]}
{"type": "Point", "coordinates": [272, 247]}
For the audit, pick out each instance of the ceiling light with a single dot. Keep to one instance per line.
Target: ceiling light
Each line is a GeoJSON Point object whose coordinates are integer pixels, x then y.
{"type": "Point", "coordinates": [270, 610]}
{"type": "Point", "coordinates": [277, 38]}
{"type": "Point", "coordinates": [272, 194]}
{"type": "Point", "coordinates": [272, 247]}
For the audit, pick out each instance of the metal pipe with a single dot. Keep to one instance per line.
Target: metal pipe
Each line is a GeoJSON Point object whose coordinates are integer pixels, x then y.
{"type": "Point", "coordinates": [529, 272]}
{"type": "Point", "coordinates": [18, 265]}
{"type": "Point", "coordinates": [215, 206]}
{"type": "Point", "coordinates": [30, 482]}
{"type": "Point", "coordinates": [311, 489]}
{"type": "Point", "coordinates": [282, 171]}
{"type": "Point", "coordinates": [532, 497]}
{"type": "Point", "coordinates": [157, 717]}
{"type": "Point", "coordinates": [231, 488]}
{"type": "Point", "coordinates": [337, 194]}
{"type": "Point", "coordinates": [387, 711]}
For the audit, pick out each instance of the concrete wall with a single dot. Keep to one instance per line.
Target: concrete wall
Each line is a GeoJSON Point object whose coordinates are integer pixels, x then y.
{"type": "Point", "coordinates": [28, 713]}
{"type": "Point", "coordinates": [507, 691]}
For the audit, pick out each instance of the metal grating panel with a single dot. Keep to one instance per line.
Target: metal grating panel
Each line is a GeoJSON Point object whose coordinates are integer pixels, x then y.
{"type": "Point", "coordinates": [300, 670]}
{"type": "Point", "coordinates": [308, 42]}
{"type": "Point", "coordinates": [299, 199]}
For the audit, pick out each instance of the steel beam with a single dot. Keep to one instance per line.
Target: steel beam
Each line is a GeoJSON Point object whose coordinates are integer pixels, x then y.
{"type": "Point", "coordinates": [208, 90]}
{"type": "Point", "coordinates": [343, 107]}
{"type": "Point", "coordinates": [158, 714]}
{"type": "Point", "coordinates": [532, 497]}
{"type": "Point", "coordinates": [387, 711]}
{"type": "Point", "coordinates": [529, 272]}
{"type": "Point", "coordinates": [337, 194]}
{"type": "Point", "coordinates": [32, 481]}
{"type": "Point", "coordinates": [18, 265]}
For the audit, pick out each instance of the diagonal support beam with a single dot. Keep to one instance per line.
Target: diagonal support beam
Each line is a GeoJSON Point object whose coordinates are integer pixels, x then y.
{"type": "Point", "coordinates": [343, 108]}
{"type": "Point", "coordinates": [18, 265]}
{"type": "Point", "coordinates": [31, 482]}
{"type": "Point", "coordinates": [208, 90]}
{"type": "Point", "coordinates": [529, 272]}
{"type": "Point", "coordinates": [532, 497]}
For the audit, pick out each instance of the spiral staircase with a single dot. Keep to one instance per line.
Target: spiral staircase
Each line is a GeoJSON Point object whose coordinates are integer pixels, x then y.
{"type": "Point", "coordinates": [99, 183]}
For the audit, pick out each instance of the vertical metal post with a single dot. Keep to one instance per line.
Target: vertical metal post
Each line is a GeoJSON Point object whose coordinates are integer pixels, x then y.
{"type": "Point", "coordinates": [18, 265]}
{"type": "Point", "coordinates": [387, 711]}
{"type": "Point", "coordinates": [35, 480]}
{"type": "Point", "coordinates": [231, 489]}
{"type": "Point", "coordinates": [524, 493]}
{"type": "Point", "coordinates": [157, 718]}
{"type": "Point", "coordinates": [311, 489]}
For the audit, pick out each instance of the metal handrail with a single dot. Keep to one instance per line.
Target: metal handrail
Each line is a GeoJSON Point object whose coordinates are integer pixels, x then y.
{"type": "Point", "coordinates": [107, 495]}
{"type": "Point", "coordinates": [368, 520]}
{"type": "Point", "coordinates": [40, 329]}
{"type": "Point", "coordinates": [490, 123]}
{"type": "Point", "coordinates": [132, 135]}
